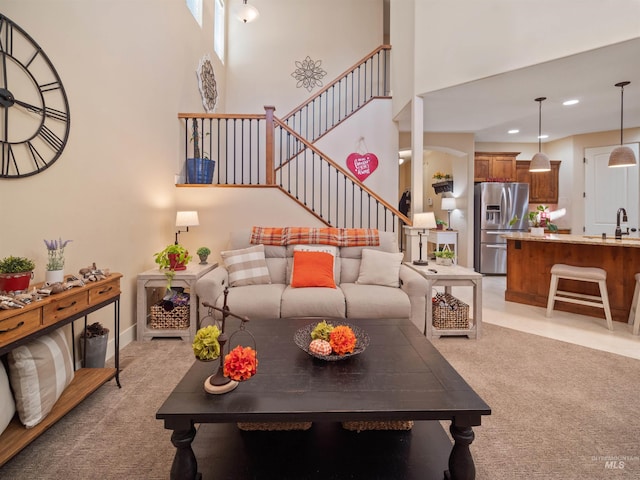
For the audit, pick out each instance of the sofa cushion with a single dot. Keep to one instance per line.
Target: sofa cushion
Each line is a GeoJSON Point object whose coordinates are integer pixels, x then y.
{"type": "Point", "coordinates": [246, 266]}
{"type": "Point", "coordinates": [312, 269]}
{"type": "Point", "coordinates": [380, 268]}
{"type": "Point", "coordinates": [375, 301]}
{"type": "Point", "coordinates": [6, 399]}
{"type": "Point", "coordinates": [312, 302]}
{"type": "Point", "coordinates": [39, 373]}
{"type": "Point", "coordinates": [254, 301]}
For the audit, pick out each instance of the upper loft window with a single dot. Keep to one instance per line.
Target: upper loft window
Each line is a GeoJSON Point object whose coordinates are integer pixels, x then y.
{"type": "Point", "coordinates": [218, 29]}
{"type": "Point", "coordinates": [195, 6]}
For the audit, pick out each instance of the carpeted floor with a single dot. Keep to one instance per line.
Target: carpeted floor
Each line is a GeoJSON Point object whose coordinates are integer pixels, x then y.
{"type": "Point", "coordinates": [560, 411]}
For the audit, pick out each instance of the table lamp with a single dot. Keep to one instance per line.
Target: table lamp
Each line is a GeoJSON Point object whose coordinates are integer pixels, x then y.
{"type": "Point", "coordinates": [186, 219]}
{"type": "Point", "coordinates": [448, 204]}
{"type": "Point", "coordinates": [424, 221]}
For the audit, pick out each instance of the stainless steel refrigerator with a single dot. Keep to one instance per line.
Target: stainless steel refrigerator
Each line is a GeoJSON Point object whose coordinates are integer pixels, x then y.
{"type": "Point", "coordinates": [496, 204]}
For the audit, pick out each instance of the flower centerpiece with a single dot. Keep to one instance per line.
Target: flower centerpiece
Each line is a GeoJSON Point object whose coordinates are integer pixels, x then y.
{"type": "Point", "coordinates": [55, 259]}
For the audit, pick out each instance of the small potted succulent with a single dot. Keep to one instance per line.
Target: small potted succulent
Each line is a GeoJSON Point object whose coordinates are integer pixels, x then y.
{"type": "Point", "coordinates": [203, 253]}
{"type": "Point", "coordinates": [173, 257]}
{"type": "Point", "coordinates": [15, 273]}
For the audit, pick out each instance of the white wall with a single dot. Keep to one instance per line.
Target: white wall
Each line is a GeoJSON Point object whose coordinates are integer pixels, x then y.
{"type": "Point", "coordinates": [262, 54]}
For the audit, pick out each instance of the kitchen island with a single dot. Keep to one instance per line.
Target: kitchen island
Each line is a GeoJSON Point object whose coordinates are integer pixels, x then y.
{"type": "Point", "coordinates": [530, 258]}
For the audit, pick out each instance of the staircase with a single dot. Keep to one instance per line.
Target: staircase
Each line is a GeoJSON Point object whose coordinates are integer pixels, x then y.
{"type": "Point", "coordinates": [264, 150]}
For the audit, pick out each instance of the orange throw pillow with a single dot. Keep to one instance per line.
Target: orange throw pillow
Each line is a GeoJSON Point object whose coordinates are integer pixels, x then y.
{"type": "Point", "coordinates": [312, 269]}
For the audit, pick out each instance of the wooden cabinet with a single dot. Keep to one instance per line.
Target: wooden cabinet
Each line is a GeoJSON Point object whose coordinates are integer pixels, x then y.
{"type": "Point", "coordinates": [499, 166]}
{"type": "Point", "coordinates": [543, 186]}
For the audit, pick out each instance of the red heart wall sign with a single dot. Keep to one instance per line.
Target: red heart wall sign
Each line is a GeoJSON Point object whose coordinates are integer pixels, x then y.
{"type": "Point", "coordinates": [362, 165]}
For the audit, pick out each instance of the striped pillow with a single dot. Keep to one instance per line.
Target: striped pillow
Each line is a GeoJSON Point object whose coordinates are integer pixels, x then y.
{"type": "Point", "coordinates": [6, 399]}
{"type": "Point", "coordinates": [39, 372]}
{"type": "Point", "coordinates": [246, 266]}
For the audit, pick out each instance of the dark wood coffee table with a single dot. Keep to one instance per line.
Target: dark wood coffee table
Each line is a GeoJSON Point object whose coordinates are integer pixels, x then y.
{"type": "Point", "coordinates": [400, 376]}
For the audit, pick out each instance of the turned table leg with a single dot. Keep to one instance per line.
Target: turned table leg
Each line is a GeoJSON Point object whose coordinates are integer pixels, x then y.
{"type": "Point", "coordinates": [185, 466]}
{"type": "Point", "coordinates": [461, 466]}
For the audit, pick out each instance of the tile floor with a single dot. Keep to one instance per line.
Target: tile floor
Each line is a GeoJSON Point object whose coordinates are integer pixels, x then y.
{"type": "Point", "coordinates": [569, 327]}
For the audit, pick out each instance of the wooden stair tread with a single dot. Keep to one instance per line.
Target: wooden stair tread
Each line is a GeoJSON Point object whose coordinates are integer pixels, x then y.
{"type": "Point", "coordinates": [84, 383]}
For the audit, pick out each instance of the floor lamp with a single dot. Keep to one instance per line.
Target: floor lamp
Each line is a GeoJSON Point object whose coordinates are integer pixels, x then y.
{"type": "Point", "coordinates": [448, 204]}
{"type": "Point", "coordinates": [424, 221]}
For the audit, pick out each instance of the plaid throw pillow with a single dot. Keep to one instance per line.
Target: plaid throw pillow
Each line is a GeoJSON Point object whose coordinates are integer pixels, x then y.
{"type": "Point", "coordinates": [246, 266]}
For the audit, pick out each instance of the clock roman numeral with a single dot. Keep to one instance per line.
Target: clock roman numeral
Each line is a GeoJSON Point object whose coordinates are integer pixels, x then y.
{"type": "Point", "coordinates": [6, 36]}
{"type": "Point", "coordinates": [38, 161]}
{"type": "Point", "coordinates": [51, 138]}
{"type": "Point", "coordinates": [8, 158]}
{"type": "Point", "coordinates": [47, 87]}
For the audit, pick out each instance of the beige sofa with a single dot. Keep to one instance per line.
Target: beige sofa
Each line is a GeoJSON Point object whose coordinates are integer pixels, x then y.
{"type": "Point", "coordinates": [363, 286]}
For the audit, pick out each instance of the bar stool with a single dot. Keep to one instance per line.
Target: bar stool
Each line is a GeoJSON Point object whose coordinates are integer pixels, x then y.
{"type": "Point", "coordinates": [634, 312]}
{"type": "Point", "coordinates": [582, 274]}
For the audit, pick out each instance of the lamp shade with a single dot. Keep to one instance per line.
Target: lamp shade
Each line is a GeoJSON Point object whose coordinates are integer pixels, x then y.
{"type": "Point", "coordinates": [424, 220]}
{"type": "Point", "coordinates": [540, 163]}
{"type": "Point", "coordinates": [448, 203]}
{"type": "Point", "coordinates": [622, 157]}
{"type": "Point", "coordinates": [246, 13]}
{"type": "Point", "coordinates": [187, 219]}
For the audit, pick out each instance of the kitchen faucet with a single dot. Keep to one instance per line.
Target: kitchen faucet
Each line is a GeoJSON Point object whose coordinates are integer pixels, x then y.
{"type": "Point", "coordinates": [619, 231]}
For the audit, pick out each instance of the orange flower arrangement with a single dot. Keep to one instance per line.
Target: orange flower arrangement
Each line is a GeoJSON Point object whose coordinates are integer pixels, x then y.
{"type": "Point", "coordinates": [240, 363]}
{"type": "Point", "coordinates": [342, 340]}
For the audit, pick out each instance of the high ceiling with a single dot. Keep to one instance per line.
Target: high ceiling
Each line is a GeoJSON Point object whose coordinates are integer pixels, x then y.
{"type": "Point", "coordinates": [492, 106]}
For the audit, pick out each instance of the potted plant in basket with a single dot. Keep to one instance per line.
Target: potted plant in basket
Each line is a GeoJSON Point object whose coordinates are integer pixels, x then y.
{"type": "Point", "coordinates": [444, 257]}
{"type": "Point", "coordinates": [15, 273]}
{"type": "Point", "coordinates": [199, 168]}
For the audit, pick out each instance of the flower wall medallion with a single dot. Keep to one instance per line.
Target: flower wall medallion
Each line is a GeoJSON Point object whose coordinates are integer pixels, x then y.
{"type": "Point", "coordinates": [207, 84]}
{"type": "Point", "coordinates": [308, 73]}
{"type": "Point", "coordinates": [362, 165]}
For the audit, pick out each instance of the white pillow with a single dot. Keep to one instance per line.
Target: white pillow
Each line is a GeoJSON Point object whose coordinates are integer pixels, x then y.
{"type": "Point", "coordinates": [6, 400]}
{"type": "Point", "coordinates": [380, 268]}
{"type": "Point", "coordinates": [39, 373]}
{"type": "Point", "coordinates": [246, 266]}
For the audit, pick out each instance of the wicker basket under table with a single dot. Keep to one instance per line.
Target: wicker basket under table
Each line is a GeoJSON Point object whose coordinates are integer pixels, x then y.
{"type": "Point", "coordinates": [177, 318]}
{"type": "Point", "coordinates": [446, 318]}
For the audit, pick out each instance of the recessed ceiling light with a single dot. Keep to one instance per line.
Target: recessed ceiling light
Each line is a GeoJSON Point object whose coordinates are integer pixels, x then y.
{"type": "Point", "coordinates": [400, 160]}
{"type": "Point", "coordinates": [570, 102]}
{"type": "Point", "coordinates": [544, 135]}
{"type": "Point", "coordinates": [512, 131]}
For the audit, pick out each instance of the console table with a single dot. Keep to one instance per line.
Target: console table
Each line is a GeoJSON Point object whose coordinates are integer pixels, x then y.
{"type": "Point", "coordinates": [21, 325]}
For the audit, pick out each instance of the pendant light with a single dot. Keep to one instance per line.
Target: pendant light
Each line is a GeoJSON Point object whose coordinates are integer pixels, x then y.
{"type": "Point", "coordinates": [540, 162]}
{"type": "Point", "coordinates": [622, 156]}
{"type": "Point", "coordinates": [246, 13]}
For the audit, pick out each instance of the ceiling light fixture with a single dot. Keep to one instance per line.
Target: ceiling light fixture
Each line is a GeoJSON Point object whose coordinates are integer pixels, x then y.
{"type": "Point", "coordinates": [247, 13]}
{"type": "Point", "coordinates": [515, 130]}
{"type": "Point", "coordinates": [540, 162]}
{"type": "Point", "coordinates": [622, 156]}
{"type": "Point", "coordinates": [570, 102]}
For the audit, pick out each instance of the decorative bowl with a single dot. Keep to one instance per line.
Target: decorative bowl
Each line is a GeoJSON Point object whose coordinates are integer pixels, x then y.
{"type": "Point", "coordinates": [302, 339]}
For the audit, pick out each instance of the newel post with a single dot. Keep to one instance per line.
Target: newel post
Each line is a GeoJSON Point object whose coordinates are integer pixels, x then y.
{"type": "Point", "coordinates": [269, 145]}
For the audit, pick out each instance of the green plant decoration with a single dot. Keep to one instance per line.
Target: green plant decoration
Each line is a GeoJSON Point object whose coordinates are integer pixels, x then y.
{"type": "Point", "coordinates": [203, 251]}
{"type": "Point", "coordinates": [162, 258]}
{"type": "Point", "coordinates": [16, 265]}
{"type": "Point", "coordinates": [205, 344]}
{"type": "Point", "coordinates": [445, 254]}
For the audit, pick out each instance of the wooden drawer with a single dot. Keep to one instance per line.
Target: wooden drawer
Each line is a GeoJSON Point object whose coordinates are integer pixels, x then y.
{"type": "Point", "coordinates": [100, 293]}
{"type": "Point", "coordinates": [65, 307]}
{"type": "Point", "coordinates": [18, 326]}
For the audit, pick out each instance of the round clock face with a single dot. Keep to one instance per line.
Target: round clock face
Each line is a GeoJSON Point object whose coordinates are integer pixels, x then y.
{"type": "Point", "coordinates": [34, 110]}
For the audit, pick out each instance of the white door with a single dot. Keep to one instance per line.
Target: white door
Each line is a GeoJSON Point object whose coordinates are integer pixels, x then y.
{"type": "Point", "coordinates": [608, 189]}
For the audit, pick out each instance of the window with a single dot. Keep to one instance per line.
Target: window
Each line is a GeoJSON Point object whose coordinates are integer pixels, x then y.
{"type": "Point", "coordinates": [218, 29]}
{"type": "Point", "coordinates": [196, 10]}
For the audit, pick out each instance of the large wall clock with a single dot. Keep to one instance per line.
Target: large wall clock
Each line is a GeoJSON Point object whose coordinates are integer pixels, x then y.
{"type": "Point", "coordinates": [34, 110]}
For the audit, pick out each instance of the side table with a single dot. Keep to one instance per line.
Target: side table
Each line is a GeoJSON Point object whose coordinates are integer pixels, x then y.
{"type": "Point", "coordinates": [151, 287]}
